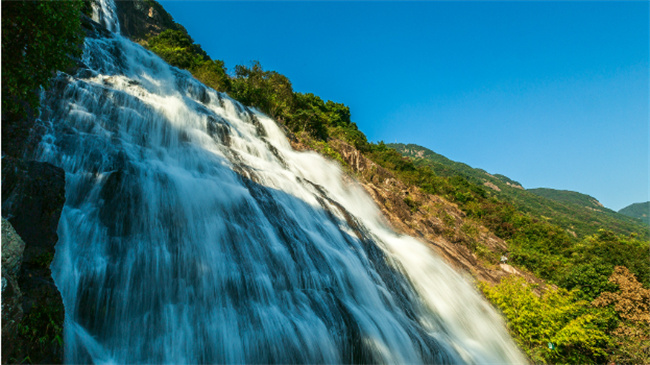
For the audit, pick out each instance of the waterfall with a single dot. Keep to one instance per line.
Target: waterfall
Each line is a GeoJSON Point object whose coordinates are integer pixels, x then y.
{"type": "Point", "coordinates": [104, 13]}
{"type": "Point", "coordinates": [193, 233]}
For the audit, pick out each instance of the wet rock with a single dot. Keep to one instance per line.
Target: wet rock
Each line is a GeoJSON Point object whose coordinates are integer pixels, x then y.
{"type": "Point", "coordinates": [33, 194]}
{"type": "Point", "coordinates": [15, 131]}
{"type": "Point", "coordinates": [122, 197]}
{"type": "Point", "coordinates": [12, 310]}
{"type": "Point", "coordinates": [139, 19]}
{"type": "Point", "coordinates": [12, 249]}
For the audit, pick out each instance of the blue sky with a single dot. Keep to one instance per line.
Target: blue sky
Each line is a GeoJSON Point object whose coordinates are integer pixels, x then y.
{"type": "Point", "coordinates": [551, 94]}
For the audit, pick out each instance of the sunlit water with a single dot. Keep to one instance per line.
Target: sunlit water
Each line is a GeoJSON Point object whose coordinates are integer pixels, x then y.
{"type": "Point", "coordinates": [193, 233]}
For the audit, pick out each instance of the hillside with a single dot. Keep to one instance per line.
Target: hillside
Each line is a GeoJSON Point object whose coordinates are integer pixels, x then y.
{"type": "Point", "coordinates": [638, 210]}
{"type": "Point", "coordinates": [577, 213]}
{"type": "Point", "coordinates": [570, 197]}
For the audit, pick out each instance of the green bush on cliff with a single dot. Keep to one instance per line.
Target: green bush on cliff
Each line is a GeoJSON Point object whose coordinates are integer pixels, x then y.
{"type": "Point", "coordinates": [269, 91]}
{"type": "Point", "coordinates": [554, 327]}
{"type": "Point", "coordinates": [177, 49]}
{"type": "Point", "coordinates": [213, 74]}
{"type": "Point", "coordinates": [38, 38]}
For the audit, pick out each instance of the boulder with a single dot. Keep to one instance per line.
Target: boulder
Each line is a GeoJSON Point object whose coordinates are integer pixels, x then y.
{"type": "Point", "coordinates": [12, 309]}
{"type": "Point", "coordinates": [33, 194]}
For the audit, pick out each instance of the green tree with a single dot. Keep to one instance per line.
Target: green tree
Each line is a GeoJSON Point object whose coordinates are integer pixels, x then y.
{"type": "Point", "coordinates": [339, 114]}
{"type": "Point", "coordinates": [616, 250]}
{"type": "Point", "coordinates": [178, 49]}
{"type": "Point", "coordinates": [573, 329]}
{"type": "Point", "coordinates": [269, 91]}
{"type": "Point", "coordinates": [38, 38]}
{"type": "Point", "coordinates": [213, 74]}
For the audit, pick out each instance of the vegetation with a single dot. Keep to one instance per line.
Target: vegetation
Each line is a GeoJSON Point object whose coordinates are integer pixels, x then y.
{"type": "Point", "coordinates": [554, 327]}
{"type": "Point", "coordinates": [560, 327]}
{"type": "Point", "coordinates": [631, 303]}
{"type": "Point", "coordinates": [38, 38]}
{"type": "Point", "coordinates": [638, 210]}
{"type": "Point", "coordinates": [39, 330]}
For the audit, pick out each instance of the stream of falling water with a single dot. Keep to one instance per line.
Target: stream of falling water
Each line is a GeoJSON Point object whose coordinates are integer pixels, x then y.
{"type": "Point", "coordinates": [193, 233]}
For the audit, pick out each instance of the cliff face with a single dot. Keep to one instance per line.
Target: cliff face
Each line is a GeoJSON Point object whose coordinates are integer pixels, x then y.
{"type": "Point", "coordinates": [33, 194]}
{"type": "Point", "coordinates": [139, 19]}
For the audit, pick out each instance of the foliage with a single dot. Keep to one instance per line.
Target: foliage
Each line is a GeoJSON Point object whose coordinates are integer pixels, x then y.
{"type": "Point", "coordinates": [325, 149]}
{"type": "Point", "coordinates": [613, 250]}
{"type": "Point", "coordinates": [568, 197]}
{"type": "Point", "coordinates": [584, 265]}
{"type": "Point", "coordinates": [631, 302]}
{"type": "Point", "coordinates": [38, 38]}
{"type": "Point", "coordinates": [213, 74]}
{"type": "Point", "coordinates": [556, 317]}
{"type": "Point", "coordinates": [269, 91]}
{"type": "Point", "coordinates": [39, 332]}
{"type": "Point", "coordinates": [177, 49]}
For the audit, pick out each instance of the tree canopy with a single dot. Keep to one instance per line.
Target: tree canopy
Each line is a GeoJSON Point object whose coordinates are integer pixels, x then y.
{"type": "Point", "coordinates": [38, 38]}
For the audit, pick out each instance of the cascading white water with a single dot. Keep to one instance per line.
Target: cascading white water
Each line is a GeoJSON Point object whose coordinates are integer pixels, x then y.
{"type": "Point", "coordinates": [104, 13]}
{"type": "Point", "coordinates": [193, 233]}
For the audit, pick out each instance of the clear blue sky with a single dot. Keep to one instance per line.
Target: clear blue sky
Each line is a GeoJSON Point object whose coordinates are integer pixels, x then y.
{"type": "Point", "coordinates": [551, 94]}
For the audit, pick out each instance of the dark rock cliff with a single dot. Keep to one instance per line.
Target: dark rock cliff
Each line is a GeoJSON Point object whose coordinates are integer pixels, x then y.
{"type": "Point", "coordinates": [33, 194]}
{"type": "Point", "coordinates": [140, 19]}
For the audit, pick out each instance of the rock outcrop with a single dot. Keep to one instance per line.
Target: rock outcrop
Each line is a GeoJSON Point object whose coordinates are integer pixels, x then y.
{"type": "Point", "coordinates": [33, 194]}
{"type": "Point", "coordinates": [140, 19]}
{"type": "Point", "coordinates": [12, 309]}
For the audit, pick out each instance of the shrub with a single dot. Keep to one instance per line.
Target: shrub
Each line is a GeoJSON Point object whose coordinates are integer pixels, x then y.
{"type": "Point", "coordinates": [554, 319]}
{"type": "Point", "coordinates": [631, 302]}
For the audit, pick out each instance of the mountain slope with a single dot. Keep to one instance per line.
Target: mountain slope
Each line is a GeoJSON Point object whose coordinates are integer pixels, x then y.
{"type": "Point", "coordinates": [638, 210]}
{"type": "Point", "coordinates": [569, 197]}
{"type": "Point", "coordinates": [578, 213]}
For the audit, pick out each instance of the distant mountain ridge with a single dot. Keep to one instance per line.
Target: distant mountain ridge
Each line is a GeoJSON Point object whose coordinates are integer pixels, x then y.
{"type": "Point", "coordinates": [578, 213]}
{"type": "Point", "coordinates": [638, 210]}
{"type": "Point", "coordinates": [570, 197]}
